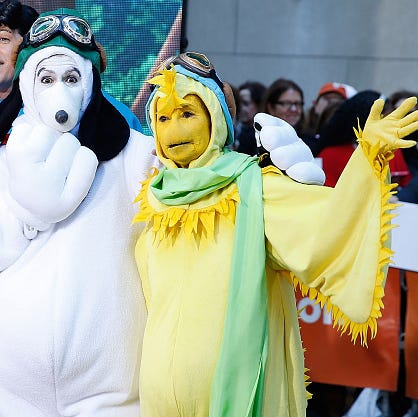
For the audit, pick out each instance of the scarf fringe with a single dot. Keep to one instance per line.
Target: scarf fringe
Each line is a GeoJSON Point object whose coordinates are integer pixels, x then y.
{"type": "Point", "coordinates": [343, 324]}
{"type": "Point", "coordinates": [196, 223]}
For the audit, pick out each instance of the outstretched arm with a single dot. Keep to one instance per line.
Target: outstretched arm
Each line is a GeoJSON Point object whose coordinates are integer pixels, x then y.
{"type": "Point", "coordinates": [334, 242]}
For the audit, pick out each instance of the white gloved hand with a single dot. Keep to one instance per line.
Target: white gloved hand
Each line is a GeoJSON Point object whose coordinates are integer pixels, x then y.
{"type": "Point", "coordinates": [287, 151]}
{"type": "Point", "coordinates": [50, 173]}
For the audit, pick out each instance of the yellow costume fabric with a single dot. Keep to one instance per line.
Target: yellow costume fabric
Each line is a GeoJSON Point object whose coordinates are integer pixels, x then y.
{"type": "Point", "coordinates": [185, 283]}
{"type": "Point", "coordinates": [329, 241]}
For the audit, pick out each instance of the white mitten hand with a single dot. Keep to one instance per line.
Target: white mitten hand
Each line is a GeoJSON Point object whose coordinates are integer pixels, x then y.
{"type": "Point", "coordinates": [49, 174]}
{"type": "Point", "coordinates": [287, 151]}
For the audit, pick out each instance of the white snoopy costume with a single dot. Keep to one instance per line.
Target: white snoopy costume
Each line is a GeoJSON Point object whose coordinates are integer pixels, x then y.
{"type": "Point", "coordinates": [71, 306]}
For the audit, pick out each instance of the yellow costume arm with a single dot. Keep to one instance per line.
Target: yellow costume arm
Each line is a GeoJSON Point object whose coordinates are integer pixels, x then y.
{"type": "Point", "coordinates": [333, 241]}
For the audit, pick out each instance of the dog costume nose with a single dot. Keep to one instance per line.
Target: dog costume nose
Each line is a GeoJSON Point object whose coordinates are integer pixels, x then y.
{"type": "Point", "coordinates": [61, 116]}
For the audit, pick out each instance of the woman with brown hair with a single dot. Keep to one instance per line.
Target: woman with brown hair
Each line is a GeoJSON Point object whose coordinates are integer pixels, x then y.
{"type": "Point", "coordinates": [284, 99]}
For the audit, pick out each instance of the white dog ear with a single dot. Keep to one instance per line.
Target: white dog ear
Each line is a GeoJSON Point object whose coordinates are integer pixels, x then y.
{"type": "Point", "coordinates": [102, 129]}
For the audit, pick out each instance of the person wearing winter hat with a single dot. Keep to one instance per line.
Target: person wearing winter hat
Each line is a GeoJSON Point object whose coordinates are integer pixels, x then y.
{"type": "Point", "coordinates": [226, 241]}
{"type": "Point", "coordinates": [329, 96]}
{"type": "Point", "coordinates": [330, 92]}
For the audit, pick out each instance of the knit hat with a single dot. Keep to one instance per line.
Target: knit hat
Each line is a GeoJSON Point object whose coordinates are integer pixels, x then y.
{"type": "Point", "coordinates": [345, 90]}
{"type": "Point", "coordinates": [91, 52]}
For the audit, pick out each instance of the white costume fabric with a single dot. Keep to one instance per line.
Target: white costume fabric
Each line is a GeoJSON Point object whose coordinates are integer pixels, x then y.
{"type": "Point", "coordinates": [71, 306]}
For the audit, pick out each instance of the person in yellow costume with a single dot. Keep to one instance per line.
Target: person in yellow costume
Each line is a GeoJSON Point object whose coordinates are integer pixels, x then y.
{"type": "Point", "coordinates": [225, 244]}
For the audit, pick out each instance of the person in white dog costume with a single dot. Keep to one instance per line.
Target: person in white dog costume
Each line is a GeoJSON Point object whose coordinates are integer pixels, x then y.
{"type": "Point", "coordinates": [71, 308]}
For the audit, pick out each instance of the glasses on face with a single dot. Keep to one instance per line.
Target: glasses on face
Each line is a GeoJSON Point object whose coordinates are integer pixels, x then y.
{"type": "Point", "coordinates": [194, 62]}
{"type": "Point", "coordinates": [73, 28]}
{"type": "Point", "coordinates": [287, 105]}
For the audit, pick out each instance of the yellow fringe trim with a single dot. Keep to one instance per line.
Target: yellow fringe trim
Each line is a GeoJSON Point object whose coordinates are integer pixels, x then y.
{"type": "Point", "coordinates": [196, 223]}
{"type": "Point", "coordinates": [361, 330]}
{"type": "Point", "coordinates": [307, 383]}
{"type": "Point", "coordinates": [306, 377]}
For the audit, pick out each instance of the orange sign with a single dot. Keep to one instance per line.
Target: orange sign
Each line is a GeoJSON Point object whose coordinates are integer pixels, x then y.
{"type": "Point", "coordinates": [411, 335]}
{"type": "Point", "coordinates": [333, 359]}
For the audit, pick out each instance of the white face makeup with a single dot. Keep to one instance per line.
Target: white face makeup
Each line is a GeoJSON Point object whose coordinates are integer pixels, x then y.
{"type": "Point", "coordinates": [58, 92]}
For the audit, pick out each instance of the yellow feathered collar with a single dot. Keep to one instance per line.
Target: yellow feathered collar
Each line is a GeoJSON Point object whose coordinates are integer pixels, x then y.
{"type": "Point", "coordinates": [197, 220]}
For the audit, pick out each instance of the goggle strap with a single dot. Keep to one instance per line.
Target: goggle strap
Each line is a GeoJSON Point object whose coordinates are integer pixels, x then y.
{"type": "Point", "coordinates": [215, 78]}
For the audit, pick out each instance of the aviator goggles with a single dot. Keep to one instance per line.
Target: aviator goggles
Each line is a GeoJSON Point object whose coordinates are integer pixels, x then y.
{"type": "Point", "coordinates": [194, 62]}
{"type": "Point", "coordinates": [74, 29]}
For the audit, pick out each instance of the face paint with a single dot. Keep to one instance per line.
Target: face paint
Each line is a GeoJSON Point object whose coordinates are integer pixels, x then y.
{"type": "Point", "coordinates": [58, 92]}
{"type": "Point", "coordinates": [184, 134]}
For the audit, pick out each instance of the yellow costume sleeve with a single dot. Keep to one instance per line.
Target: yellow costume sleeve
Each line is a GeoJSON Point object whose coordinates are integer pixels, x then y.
{"type": "Point", "coordinates": [333, 241]}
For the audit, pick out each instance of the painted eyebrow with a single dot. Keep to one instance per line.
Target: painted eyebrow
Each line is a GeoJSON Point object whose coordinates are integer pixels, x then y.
{"type": "Point", "coordinates": [66, 72]}
{"type": "Point", "coordinates": [75, 70]}
{"type": "Point", "coordinates": [40, 70]}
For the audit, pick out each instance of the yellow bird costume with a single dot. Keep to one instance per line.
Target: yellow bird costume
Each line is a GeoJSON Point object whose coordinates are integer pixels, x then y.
{"type": "Point", "coordinates": [227, 242]}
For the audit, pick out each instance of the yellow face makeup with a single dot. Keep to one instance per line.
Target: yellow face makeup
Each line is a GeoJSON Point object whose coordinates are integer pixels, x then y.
{"type": "Point", "coordinates": [184, 134]}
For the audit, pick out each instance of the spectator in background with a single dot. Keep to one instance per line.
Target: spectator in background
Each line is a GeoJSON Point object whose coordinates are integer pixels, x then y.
{"type": "Point", "coordinates": [314, 143]}
{"type": "Point", "coordinates": [235, 93]}
{"type": "Point", "coordinates": [284, 99]}
{"type": "Point", "coordinates": [250, 95]}
{"type": "Point", "coordinates": [397, 98]}
{"type": "Point", "coordinates": [329, 96]}
{"type": "Point", "coordinates": [15, 20]}
{"type": "Point", "coordinates": [338, 139]}
{"type": "Point", "coordinates": [409, 193]}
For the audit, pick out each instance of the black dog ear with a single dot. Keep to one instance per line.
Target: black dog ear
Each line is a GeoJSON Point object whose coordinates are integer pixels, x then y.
{"type": "Point", "coordinates": [9, 110]}
{"type": "Point", "coordinates": [103, 129]}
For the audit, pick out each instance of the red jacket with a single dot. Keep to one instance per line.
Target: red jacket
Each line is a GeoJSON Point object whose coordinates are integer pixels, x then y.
{"type": "Point", "coordinates": [335, 158]}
